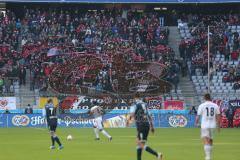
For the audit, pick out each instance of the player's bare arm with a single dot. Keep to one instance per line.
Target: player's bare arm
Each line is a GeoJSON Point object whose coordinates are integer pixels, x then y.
{"type": "Point", "coordinates": [89, 112]}
{"type": "Point", "coordinates": [151, 123]}
{"type": "Point", "coordinates": [218, 120]}
{"type": "Point", "coordinates": [130, 118]}
{"type": "Point", "coordinates": [197, 120]}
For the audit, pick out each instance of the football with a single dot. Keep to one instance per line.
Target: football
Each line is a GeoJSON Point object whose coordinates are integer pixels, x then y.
{"type": "Point", "coordinates": [69, 137]}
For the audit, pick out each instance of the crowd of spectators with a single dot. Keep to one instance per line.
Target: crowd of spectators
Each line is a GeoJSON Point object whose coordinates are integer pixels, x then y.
{"type": "Point", "coordinates": [9, 55]}
{"type": "Point", "coordinates": [108, 32]}
{"type": "Point", "coordinates": [224, 45]}
{"type": "Point", "coordinates": [45, 39]}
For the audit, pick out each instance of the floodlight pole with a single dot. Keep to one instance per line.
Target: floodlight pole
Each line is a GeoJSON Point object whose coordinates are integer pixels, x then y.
{"type": "Point", "coordinates": [208, 59]}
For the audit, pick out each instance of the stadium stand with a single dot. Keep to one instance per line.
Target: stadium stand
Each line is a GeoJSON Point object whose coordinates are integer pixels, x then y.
{"type": "Point", "coordinates": [224, 53]}
{"type": "Point", "coordinates": [9, 55]}
{"type": "Point", "coordinates": [44, 40]}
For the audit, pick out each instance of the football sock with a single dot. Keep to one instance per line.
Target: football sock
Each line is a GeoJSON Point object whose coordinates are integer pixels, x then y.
{"type": "Point", "coordinates": [208, 150]}
{"type": "Point", "coordinates": [151, 151]}
{"type": "Point", "coordinates": [58, 141]}
{"type": "Point", "coordinates": [96, 132]}
{"type": "Point", "coordinates": [53, 141]}
{"type": "Point", "coordinates": [105, 133]}
{"type": "Point", "coordinates": [139, 153]}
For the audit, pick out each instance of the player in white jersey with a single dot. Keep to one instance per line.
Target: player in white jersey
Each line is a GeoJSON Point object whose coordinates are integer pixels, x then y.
{"type": "Point", "coordinates": [97, 113]}
{"type": "Point", "coordinates": [210, 114]}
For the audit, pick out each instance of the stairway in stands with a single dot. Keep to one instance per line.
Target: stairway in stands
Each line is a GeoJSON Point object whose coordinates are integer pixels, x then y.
{"type": "Point", "coordinates": [185, 84]}
{"type": "Point", "coordinates": [174, 39]}
{"type": "Point", "coordinates": [188, 92]}
{"type": "Point", "coordinates": [25, 96]}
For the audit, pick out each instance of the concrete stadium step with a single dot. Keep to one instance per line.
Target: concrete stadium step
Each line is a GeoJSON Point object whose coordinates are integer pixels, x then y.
{"type": "Point", "coordinates": [25, 100]}
{"type": "Point", "coordinates": [191, 101]}
{"type": "Point", "coordinates": [185, 84]}
{"type": "Point", "coordinates": [25, 95]}
{"type": "Point", "coordinates": [188, 91]}
{"type": "Point", "coordinates": [25, 89]}
{"type": "Point", "coordinates": [174, 39]}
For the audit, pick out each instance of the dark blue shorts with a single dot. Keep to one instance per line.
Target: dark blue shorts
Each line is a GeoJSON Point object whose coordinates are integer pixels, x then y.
{"type": "Point", "coordinates": [142, 134]}
{"type": "Point", "coordinates": [52, 124]}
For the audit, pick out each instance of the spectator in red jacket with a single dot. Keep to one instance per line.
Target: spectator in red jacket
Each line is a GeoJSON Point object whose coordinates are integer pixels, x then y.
{"type": "Point", "coordinates": [234, 55]}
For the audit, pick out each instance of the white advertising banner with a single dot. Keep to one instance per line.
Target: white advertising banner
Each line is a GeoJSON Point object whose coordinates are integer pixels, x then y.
{"type": "Point", "coordinates": [8, 103]}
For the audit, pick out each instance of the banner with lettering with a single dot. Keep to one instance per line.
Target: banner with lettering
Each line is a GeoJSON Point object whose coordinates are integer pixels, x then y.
{"type": "Point", "coordinates": [234, 103]}
{"type": "Point", "coordinates": [84, 102]}
{"type": "Point", "coordinates": [7, 103]}
{"type": "Point", "coordinates": [174, 105]}
{"type": "Point", "coordinates": [154, 102]}
{"type": "Point", "coordinates": [111, 120]}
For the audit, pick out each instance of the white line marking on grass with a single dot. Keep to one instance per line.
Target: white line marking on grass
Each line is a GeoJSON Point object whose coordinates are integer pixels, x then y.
{"type": "Point", "coordinates": [41, 129]}
{"type": "Point", "coordinates": [219, 143]}
{"type": "Point", "coordinates": [195, 139]}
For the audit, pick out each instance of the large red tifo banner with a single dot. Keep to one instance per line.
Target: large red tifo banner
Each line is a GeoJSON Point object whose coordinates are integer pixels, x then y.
{"type": "Point", "coordinates": [174, 104]}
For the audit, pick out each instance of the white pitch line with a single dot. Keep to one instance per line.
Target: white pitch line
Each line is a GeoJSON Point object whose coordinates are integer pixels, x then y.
{"type": "Point", "coordinates": [41, 129]}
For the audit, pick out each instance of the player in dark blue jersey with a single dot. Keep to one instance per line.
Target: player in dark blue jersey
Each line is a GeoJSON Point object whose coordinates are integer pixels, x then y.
{"type": "Point", "coordinates": [144, 123]}
{"type": "Point", "coordinates": [51, 113]}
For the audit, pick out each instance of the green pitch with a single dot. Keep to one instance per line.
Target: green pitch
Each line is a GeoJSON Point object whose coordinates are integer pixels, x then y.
{"type": "Point", "coordinates": [176, 144]}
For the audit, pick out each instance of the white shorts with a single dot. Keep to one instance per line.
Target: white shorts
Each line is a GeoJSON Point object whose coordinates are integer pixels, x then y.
{"type": "Point", "coordinates": [207, 132]}
{"type": "Point", "coordinates": [97, 123]}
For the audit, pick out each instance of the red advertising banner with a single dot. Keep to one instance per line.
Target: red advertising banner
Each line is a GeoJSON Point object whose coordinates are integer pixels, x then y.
{"type": "Point", "coordinates": [174, 105]}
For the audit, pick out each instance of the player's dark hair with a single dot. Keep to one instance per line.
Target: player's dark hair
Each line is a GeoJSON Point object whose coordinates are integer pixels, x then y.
{"type": "Point", "coordinates": [207, 97]}
{"type": "Point", "coordinates": [145, 99]}
{"type": "Point", "coordinates": [137, 95]}
{"type": "Point", "coordinates": [50, 100]}
{"type": "Point", "coordinates": [94, 102]}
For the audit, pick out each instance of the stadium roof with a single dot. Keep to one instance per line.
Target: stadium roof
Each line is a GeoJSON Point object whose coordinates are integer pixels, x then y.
{"type": "Point", "coordinates": [128, 1]}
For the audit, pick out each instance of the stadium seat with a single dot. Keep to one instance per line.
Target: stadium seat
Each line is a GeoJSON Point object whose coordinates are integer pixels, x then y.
{"type": "Point", "coordinates": [228, 84]}
{"type": "Point", "coordinates": [205, 77]}
{"type": "Point", "coordinates": [226, 91]}
{"type": "Point", "coordinates": [195, 80]}
{"type": "Point", "coordinates": [194, 77]}
{"type": "Point", "coordinates": [168, 98]}
{"type": "Point", "coordinates": [196, 84]}
{"type": "Point", "coordinates": [179, 91]}
{"type": "Point", "coordinates": [203, 84]}
{"type": "Point", "coordinates": [236, 63]}
{"type": "Point", "coordinates": [200, 80]}
{"type": "Point", "coordinates": [238, 92]}
{"type": "Point", "coordinates": [218, 87]}
{"type": "Point", "coordinates": [175, 98]}
{"type": "Point", "coordinates": [199, 76]}
{"type": "Point", "coordinates": [212, 88]}
{"type": "Point", "coordinates": [181, 98]}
